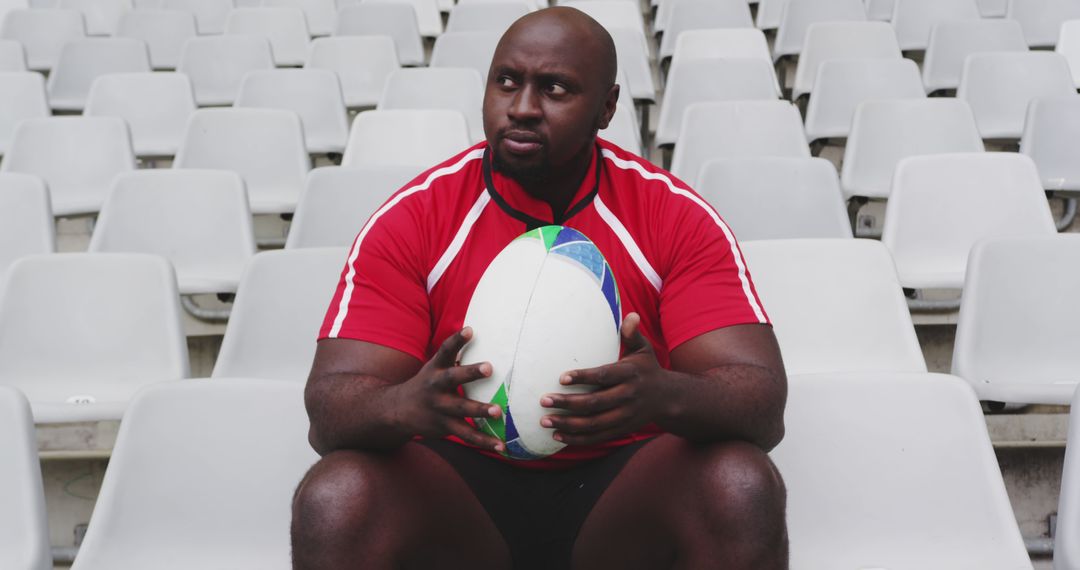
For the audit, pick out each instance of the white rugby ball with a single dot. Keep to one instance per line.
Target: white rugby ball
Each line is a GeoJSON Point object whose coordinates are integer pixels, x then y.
{"type": "Point", "coordinates": [547, 304]}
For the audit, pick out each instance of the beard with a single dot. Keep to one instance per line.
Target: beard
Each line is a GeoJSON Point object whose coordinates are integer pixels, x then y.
{"type": "Point", "coordinates": [528, 174]}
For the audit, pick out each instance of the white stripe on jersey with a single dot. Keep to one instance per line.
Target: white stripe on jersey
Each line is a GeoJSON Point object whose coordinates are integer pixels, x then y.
{"type": "Point", "coordinates": [459, 240]}
{"type": "Point", "coordinates": [620, 232]}
{"type": "Point", "coordinates": [736, 254]}
{"type": "Point", "coordinates": [346, 296]}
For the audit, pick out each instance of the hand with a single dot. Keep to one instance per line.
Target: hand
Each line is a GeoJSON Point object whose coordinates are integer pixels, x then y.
{"type": "Point", "coordinates": [628, 396]}
{"type": "Point", "coordinates": [430, 403]}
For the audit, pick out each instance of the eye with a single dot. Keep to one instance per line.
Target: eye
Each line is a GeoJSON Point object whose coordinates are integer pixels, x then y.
{"type": "Point", "coordinates": [505, 81]}
{"type": "Point", "coordinates": [556, 89]}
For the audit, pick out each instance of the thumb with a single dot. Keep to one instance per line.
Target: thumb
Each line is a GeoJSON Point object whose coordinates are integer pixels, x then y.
{"type": "Point", "coordinates": [633, 340]}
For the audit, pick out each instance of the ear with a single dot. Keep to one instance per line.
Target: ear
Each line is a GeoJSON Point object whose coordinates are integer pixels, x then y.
{"type": "Point", "coordinates": [609, 107]}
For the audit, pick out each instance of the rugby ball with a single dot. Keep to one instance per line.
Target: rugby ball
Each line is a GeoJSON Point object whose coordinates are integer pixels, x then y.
{"type": "Point", "coordinates": [546, 305]}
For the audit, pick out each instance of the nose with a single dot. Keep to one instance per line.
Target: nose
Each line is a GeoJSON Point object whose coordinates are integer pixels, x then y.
{"type": "Point", "coordinates": [525, 106]}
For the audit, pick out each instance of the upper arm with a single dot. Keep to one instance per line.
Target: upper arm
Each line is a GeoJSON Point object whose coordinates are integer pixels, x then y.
{"type": "Point", "coordinates": [747, 345]}
{"type": "Point", "coordinates": [351, 358]}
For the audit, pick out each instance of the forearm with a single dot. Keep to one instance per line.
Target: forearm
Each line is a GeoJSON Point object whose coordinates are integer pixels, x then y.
{"type": "Point", "coordinates": [736, 401]}
{"type": "Point", "coordinates": [351, 411]}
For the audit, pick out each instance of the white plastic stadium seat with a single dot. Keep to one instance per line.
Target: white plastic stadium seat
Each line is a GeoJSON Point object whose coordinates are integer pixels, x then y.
{"type": "Point", "coordinates": [390, 19]}
{"type": "Point", "coordinates": [1042, 19]}
{"type": "Point", "coordinates": [101, 16]}
{"type": "Point", "coordinates": [217, 64]}
{"type": "Point", "coordinates": [728, 43]}
{"type": "Point", "coordinates": [800, 14]}
{"type": "Point", "coordinates": [632, 52]}
{"type": "Point", "coordinates": [121, 331]}
{"type": "Point", "coordinates": [284, 27]}
{"type": "Point", "coordinates": [418, 138]}
{"type": "Point", "coordinates": [9, 5]}
{"type": "Point", "coordinates": [689, 15]}
{"type": "Point", "coordinates": [42, 33]}
{"type": "Point", "coordinates": [76, 156]}
{"type": "Point", "coordinates": [321, 15]}
{"type": "Point", "coordinates": [485, 17]}
{"type": "Point", "coordinates": [842, 40]}
{"type": "Point", "coordinates": [841, 85]}
{"type": "Point", "coordinates": [880, 10]}
{"type": "Point", "coordinates": [1051, 132]}
{"type": "Point", "coordinates": [12, 56]}
{"type": "Point", "coordinates": [992, 8]}
{"type": "Point", "coordinates": [22, 96]}
{"type": "Point", "coordinates": [913, 19]}
{"type": "Point", "coordinates": [872, 484]}
{"type": "Point", "coordinates": [314, 94]}
{"type": "Point", "coordinates": [83, 61]}
{"type": "Point", "coordinates": [611, 13]}
{"type": "Point", "coordinates": [428, 16]}
{"type": "Point", "coordinates": [711, 79]}
{"type": "Point", "coordinates": [999, 87]}
{"type": "Point", "coordinates": [24, 533]}
{"type": "Point", "coordinates": [438, 88]}
{"type": "Point", "coordinates": [197, 219]}
{"type": "Point", "coordinates": [473, 50]}
{"type": "Point", "coordinates": [1066, 546]}
{"type": "Point", "coordinates": [156, 107]}
{"type": "Point", "coordinates": [224, 481]}
{"type": "Point", "coordinates": [776, 197]}
{"type": "Point", "coordinates": [850, 317]}
{"type": "Point", "coordinates": [26, 221]}
{"type": "Point", "coordinates": [886, 131]}
{"type": "Point", "coordinates": [278, 311]}
{"type": "Point", "coordinates": [1016, 339]}
{"type": "Point", "coordinates": [941, 205]}
{"type": "Point", "coordinates": [769, 13]}
{"type": "Point", "coordinates": [624, 130]}
{"type": "Point", "coordinates": [264, 146]}
{"type": "Point", "coordinates": [1069, 46]}
{"type": "Point", "coordinates": [337, 201]}
{"type": "Point", "coordinates": [952, 41]}
{"type": "Point", "coordinates": [750, 128]}
{"type": "Point", "coordinates": [164, 32]}
{"type": "Point", "coordinates": [209, 15]}
{"type": "Point", "coordinates": [362, 64]}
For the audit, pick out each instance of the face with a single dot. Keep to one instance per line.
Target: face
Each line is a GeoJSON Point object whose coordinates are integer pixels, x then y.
{"type": "Point", "coordinates": [545, 99]}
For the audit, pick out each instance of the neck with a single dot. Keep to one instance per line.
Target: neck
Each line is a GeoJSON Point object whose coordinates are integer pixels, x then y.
{"type": "Point", "coordinates": [558, 188]}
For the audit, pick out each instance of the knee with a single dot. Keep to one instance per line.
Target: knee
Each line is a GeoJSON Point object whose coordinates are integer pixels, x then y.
{"type": "Point", "coordinates": [741, 484]}
{"type": "Point", "coordinates": [338, 493]}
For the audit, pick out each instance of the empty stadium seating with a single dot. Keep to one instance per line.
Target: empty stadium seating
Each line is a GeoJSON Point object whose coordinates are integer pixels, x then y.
{"type": "Point", "coordinates": [1051, 130]}
{"type": "Point", "coordinates": [155, 106]}
{"type": "Point", "coordinates": [26, 222]}
{"type": "Point", "coordinates": [313, 94]}
{"type": "Point", "coordinates": [24, 536]}
{"type": "Point", "coordinates": [362, 64]}
{"type": "Point", "coordinates": [437, 88]}
{"type": "Point", "coordinates": [164, 32]}
{"type": "Point", "coordinates": [842, 84]}
{"type": "Point", "coordinates": [22, 96]}
{"type": "Point", "coordinates": [1067, 548]}
{"type": "Point", "coordinates": [951, 41]}
{"type": "Point", "coordinates": [216, 65]}
{"type": "Point", "coordinates": [402, 137]}
{"type": "Point", "coordinates": [999, 87]}
{"type": "Point", "coordinates": [378, 19]}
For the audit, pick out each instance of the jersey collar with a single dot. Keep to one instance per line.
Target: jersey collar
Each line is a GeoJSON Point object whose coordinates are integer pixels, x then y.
{"type": "Point", "coordinates": [519, 204]}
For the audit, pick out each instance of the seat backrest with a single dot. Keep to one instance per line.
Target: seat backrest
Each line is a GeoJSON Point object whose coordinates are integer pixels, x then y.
{"type": "Point", "coordinates": [198, 219]}
{"type": "Point", "coordinates": [1068, 46]}
{"type": "Point", "coordinates": [472, 50]}
{"type": "Point", "coordinates": [1042, 19]}
{"type": "Point", "coordinates": [164, 32]}
{"type": "Point", "coordinates": [689, 15]}
{"type": "Point", "coordinates": [83, 61]}
{"type": "Point", "coordinates": [999, 87]}
{"type": "Point", "coordinates": [286, 28]}
{"type": "Point", "coordinates": [738, 43]}
{"type": "Point", "coordinates": [953, 40]}
{"type": "Point", "coordinates": [76, 156]}
{"type": "Point", "coordinates": [101, 16]}
{"type": "Point", "coordinates": [362, 64]}
{"type": "Point", "coordinates": [337, 201]}
{"type": "Point", "coordinates": [1051, 132]}
{"type": "Point", "coordinates": [264, 146]}
{"type": "Point", "coordinates": [280, 306]}
{"type": "Point", "coordinates": [842, 40]}
{"type": "Point", "coordinates": [623, 130]}
{"type": "Point", "coordinates": [913, 19]}
{"type": "Point", "coordinates": [769, 13]}
{"type": "Point", "coordinates": [22, 96]}
{"type": "Point", "coordinates": [487, 17]}
{"type": "Point", "coordinates": [121, 326]}
{"type": "Point", "coordinates": [406, 137]}
{"type": "Point", "coordinates": [798, 15]}
{"type": "Point", "coordinates": [992, 8]}
{"type": "Point", "coordinates": [156, 107]}
{"type": "Point", "coordinates": [1002, 336]}
{"type": "Point", "coordinates": [24, 533]}
{"type": "Point", "coordinates": [841, 84]}
{"type": "Point", "coordinates": [850, 316]}
{"type": "Point", "coordinates": [42, 33]}
{"type": "Point", "coordinates": [314, 94]}
{"type": "Point", "coordinates": [26, 221]}
{"type": "Point", "coordinates": [428, 16]}
{"type": "Point", "coordinates": [941, 205]}
{"type": "Point", "coordinates": [879, 10]}
{"type": "Point", "coordinates": [885, 131]}
{"type": "Point", "coordinates": [217, 64]}
{"type": "Point", "coordinates": [632, 52]}
{"type": "Point", "coordinates": [210, 15]}
{"type": "Point", "coordinates": [749, 128]}
{"type": "Point", "coordinates": [384, 19]}
{"type": "Point", "coordinates": [456, 89]}
{"type": "Point", "coordinates": [12, 56]}
{"type": "Point", "coordinates": [1066, 547]}
{"type": "Point", "coordinates": [202, 440]}
{"type": "Point", "coordinates": [879, 467]}
{"type": "Point", "coordinates": [711, 79]}
{"type": "Point", "coordinates": [321, 15]}
{"type": "Point", "coordinates": [611, 13]}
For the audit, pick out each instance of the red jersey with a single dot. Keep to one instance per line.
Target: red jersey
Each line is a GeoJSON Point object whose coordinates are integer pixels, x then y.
{"type": "Point", "coordinates": [413, 267]}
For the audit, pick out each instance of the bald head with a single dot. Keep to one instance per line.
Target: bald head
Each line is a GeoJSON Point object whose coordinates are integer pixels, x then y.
{"type": "Point", "coordinates": [588, 40]}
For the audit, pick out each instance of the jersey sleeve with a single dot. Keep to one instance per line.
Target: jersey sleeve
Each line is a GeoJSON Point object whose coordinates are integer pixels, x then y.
{"type": "Point", "coordinates": [382, 294]}
{"type": "Point", "coordinates": [707, 285]}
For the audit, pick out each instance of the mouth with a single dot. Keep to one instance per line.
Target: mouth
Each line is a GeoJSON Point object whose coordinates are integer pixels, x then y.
{"type": "Point", "coordinates": [522, 142]}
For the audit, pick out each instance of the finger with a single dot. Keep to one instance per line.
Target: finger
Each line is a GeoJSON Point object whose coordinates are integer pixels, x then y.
{"type": "Point", "coordinates": [607, 375]}
{"type": "Point", "coordinates": [633, 340]}
{"type": "Point", "coordinates": [475, 437]}
{"type": "Point", "coordinates": [458, 407]}
{"type": "Point", "coordinates": [447, 354]}
{"type": "Point", "coordinates": [580, 425]}
{"type": "Point", "coordinates": [588, 404]}
{"type": "Point", "coordinates": [455, 376]}
{"type": "Point", "coordinates": [590, 438]}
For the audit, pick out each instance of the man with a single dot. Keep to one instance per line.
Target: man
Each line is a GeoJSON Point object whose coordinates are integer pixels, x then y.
{"type": "Point", "coordinates": [666, 463]}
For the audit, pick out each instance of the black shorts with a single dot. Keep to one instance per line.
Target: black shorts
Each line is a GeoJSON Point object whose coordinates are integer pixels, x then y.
{"type": "Point", "coordinates": [539, 513]}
